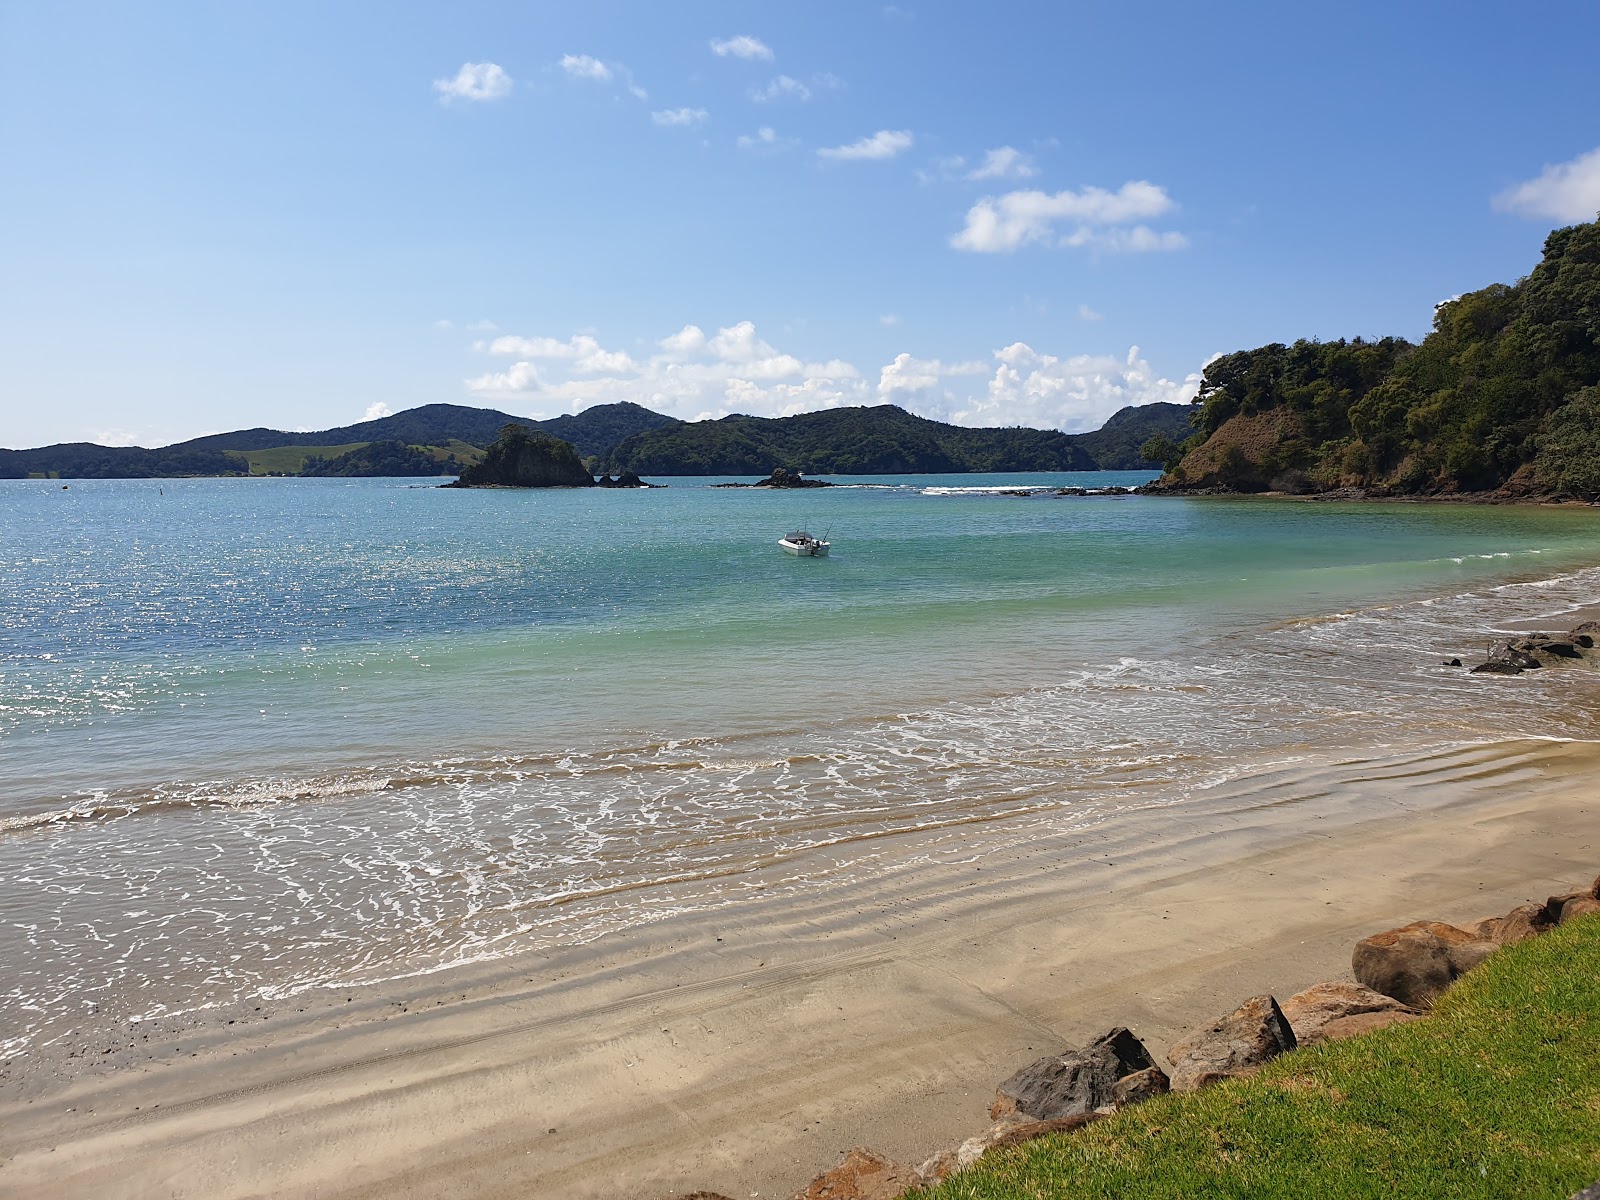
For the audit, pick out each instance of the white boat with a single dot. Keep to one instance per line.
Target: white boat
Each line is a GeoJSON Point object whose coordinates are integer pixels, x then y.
{"type": "Point", "coordinates": [802, 545]}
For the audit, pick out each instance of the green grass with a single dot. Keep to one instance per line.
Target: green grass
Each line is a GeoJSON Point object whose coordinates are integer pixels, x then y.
{"type": "Point", "coordinates": [1496, 1095]}
{"type": "Point", "coordinates": [287, 460]}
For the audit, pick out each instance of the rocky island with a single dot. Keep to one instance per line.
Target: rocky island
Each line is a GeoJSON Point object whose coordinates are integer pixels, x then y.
{"type": "Point", "coordinates": [527, 458]}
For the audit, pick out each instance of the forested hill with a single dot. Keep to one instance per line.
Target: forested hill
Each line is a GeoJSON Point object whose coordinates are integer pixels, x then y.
{"type": "Point", "coordinates": [885, 440]}
{"type": "Point", "coordinates": [1503, 395]}
{"type": "Point", "coordinates": [444, 429]}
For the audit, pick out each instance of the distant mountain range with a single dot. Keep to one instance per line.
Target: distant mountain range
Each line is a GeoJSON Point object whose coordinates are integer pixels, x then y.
{"type": "Point", "coordinates": [443, 438]}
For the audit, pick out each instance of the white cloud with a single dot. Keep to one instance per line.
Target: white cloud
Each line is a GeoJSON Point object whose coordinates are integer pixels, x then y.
{"type": "Point", "coordinates": [889, 320]}
{"type": "Point", "coordinates": [1006, 162]}
{"type": "Point", "coordinates": [1028, 388]}
{"type": "Point", "coordinates": [374, 411]}
{"type": "Point", "coordinates": [444, 325]}
{"type": "Point", "coordinates": [743, 46]}
{"type": "Point", "coordinates": [1005, 223]}
{"type": "Point", "coordinates": [581, 66]}
{"type": "Point", "coordinates": [782, 87]}
{"type": "Point", "coordinates": [1085, 313]}
{"type": "Point", "coordinates": [886, 143]}
{"type": "Point", "coordinates": [679, 116]}
{"type": "Point", "coordinates": [692, 375]}
{"type": "Point", "coordinates": [484, 326]}
{"type": "Point", "coordinates": [474, 82]}
{"type": "Point", "coordinates": [1568, 191]}
{"type": "Point", "coordinates": [764, 138]}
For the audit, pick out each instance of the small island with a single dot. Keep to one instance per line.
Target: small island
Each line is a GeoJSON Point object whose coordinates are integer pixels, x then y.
{"type": "Point", "coordinates": [527, 458]}
{"type": "Point", "coordinates": [780, 478]}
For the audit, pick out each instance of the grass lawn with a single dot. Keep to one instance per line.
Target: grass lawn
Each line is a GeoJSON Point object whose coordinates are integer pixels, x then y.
{"type": "Point", "coordinates": [1496, 1095]}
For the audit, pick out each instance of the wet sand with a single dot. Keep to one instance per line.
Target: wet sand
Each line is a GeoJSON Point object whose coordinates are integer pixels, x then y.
{"type": "Point", "coordinates": [743, 1049]}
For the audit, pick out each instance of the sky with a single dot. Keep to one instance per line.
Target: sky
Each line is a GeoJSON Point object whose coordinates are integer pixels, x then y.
{"type": "Point", "coordinates": [299, 215]}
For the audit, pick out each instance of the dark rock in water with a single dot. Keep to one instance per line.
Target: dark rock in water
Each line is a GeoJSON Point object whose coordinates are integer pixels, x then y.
{"type": "Point", "coordinates": [1075, 1081]}
{"type": "Point", "coordinates": [781, 478]}
{"type": "Point", "coordinates": [1497, 666]}
{"type": "Point", "coordinates": [525, 458]}
{"type": "Point", "coordinates": [1453, 662]}
{"type": "Point", "coordinates": [625, 480]}
{"type": "Point", "coordinates": [1417, 962]}
{"type": "Point", "coordinates": [1249, 1036]}
{"type": "Point", "coordinates": [1072, 491]}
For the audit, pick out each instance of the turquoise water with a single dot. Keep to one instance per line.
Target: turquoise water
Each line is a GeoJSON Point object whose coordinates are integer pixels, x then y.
{"type": "Point", "coordinates": [260, 735]}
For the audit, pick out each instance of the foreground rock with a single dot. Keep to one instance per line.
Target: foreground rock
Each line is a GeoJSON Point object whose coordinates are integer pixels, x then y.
{"type": "Point", "coordinates": [526, 458]}
{"type": "Point", "coordinates": [1417, 962]}
{"type": "Point", "coordinates": [1075, 1082]}
{"type": "Point", "coordinates": [1534, 650]}
{"type": "Point", "coordinates": [1331, 1011]}
{"type": "Point", "coordinates": [863, 1175]}
{"type": "Point", "coordinates": [1251, 1035]}
{"type": "Point", "coordinates": [1012, 1131]}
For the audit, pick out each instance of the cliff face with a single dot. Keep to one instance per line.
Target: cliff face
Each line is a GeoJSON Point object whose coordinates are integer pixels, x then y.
{"type": "Point", "coordinates": [525, 458]}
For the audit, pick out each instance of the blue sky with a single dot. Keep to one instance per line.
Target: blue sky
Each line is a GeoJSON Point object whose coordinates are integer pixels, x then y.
{"type": "Point", "coordinates": [294, 214]}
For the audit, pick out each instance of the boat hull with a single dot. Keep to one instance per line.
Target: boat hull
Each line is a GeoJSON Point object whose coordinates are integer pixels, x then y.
{"type": "Point", "coordinates": [804, 549]}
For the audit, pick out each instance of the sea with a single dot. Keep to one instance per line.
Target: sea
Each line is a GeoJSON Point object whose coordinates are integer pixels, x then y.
{"type": "Point", "coordinates": [260, 737]}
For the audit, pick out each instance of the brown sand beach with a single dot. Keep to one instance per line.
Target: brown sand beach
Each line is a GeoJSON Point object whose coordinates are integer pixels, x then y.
{"type": "Point", "coordinates": [744, 1052]}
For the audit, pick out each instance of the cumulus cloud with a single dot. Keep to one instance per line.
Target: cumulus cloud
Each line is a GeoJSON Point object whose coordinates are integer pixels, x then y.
{"type": "Point", "coordinates": [695, 375]}
{"type": "Point", "coordinates": [582, 66]}
{"type": "Point", "coordinates": [1568, 191]}
{"type": "Point", "coordinates": [1006, 162]}
{"type": "Point", "coordinates": [679, 116]}
{"type": "Point", "coordinates": [1085, 313]}
{"type": "Point", "coordinates": [783, 87]}
{"type": "Point", "coordinates": [474, 82]}
{"type": "Point", "coordinates": [1097, 218]}
{"type": "Point", "coordinates": [374, 411]}
{"type": "Point", "coordinates": [742, 46]}
{"type": "Point", "coordinates": [886, 143]}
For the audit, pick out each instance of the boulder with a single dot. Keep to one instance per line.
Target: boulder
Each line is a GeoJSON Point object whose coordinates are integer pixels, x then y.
{"type": "Point", "coordinates": [1497, 666]}
{"type": "Point", "coordinates": [1521, 923]}
{"type": "Point", "coordinates": [1417, 962]}
{"type": "Point", "coordinates": [781, 478]}
{"type": "Point", "coordinates": [1579, 906]}
{"type": "Point", "coordinates": [1310, 1013]}
{"type": "Point", "coordinates": [1359, 1023]}
{"type": "Point", "coordinates": [862, 1175]}
{"type": "Point", "coordinates": [1237, 1044]}
{"type": "Point", "coordinates": [1140, 1086]}
{"type": "Point", "coordinates": [1011, 1132]}
{"type": "Point", "coordinates": [1074, 1081]}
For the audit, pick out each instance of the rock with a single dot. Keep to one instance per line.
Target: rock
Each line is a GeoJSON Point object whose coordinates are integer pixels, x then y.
{"type": "Point", "coordinates": [781, 478]}
{"type": "Point", "coordinates": [625, 480]}
{"type": "Point", "coordinates": [1521, 923]}
{"type": "Point", "coordinates": [1074, 1081]}
{"type": "Point", "coordinates": [1591, 628]}
{"type": "Point", "coordinates": [1359, 1023]}
{"type": "Point", "coordinates": [1592, 1192]}
{"type": "Point", "coordinates": [1497, 666]}
{"type": "Point", "coordinates": [1579, 906]}
{"type": "Point", "coordinates": [526, 458]}
{"type": "Point", "coordinates": [1140, 1086]}
{"type": "Point", "coordinates": [1487, 929]}
{"type": "Point", "coordinates": [1312, 1011]}
{"type": "Point", "coordinates": [1417, 962]}
{"type": "Point", "coordinates": [1012, 1132]}
{"type": "Point", "coordinates": [1240, 1042]}
{"type": "Point", "coordinates": [862, 1175]}
{"type": "Point", "coordinates": [1452, 662]}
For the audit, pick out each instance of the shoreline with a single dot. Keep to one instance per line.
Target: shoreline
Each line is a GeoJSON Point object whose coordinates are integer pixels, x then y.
{"type": "Point", "coordinates": [740, 1049]}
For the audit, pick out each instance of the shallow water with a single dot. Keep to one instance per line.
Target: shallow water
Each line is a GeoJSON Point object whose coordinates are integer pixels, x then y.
{"type": "Point", "coordinates": [263, 735]}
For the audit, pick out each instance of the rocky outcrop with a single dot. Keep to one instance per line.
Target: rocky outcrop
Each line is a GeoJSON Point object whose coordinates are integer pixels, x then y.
{"type": "Point", "coordinates": [1330, 1011]}
{"type": "Point", "coordinates": [1513, 656]}
{"type": "Point", "coordinates": [1076, 1081]}
{"type": "Point", "coordinates": [525, 458]}
{"type": "Point", "coordinates": [625, 480]}
{"type": "Point", "coordinates": [1254, 1033]}
{"type": "Point", "coordinates": [1417, 962]}
{"type": "Point", "coordinates": [781, 478]}
{"type": "Point", "coordinates": [863, 1175]}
